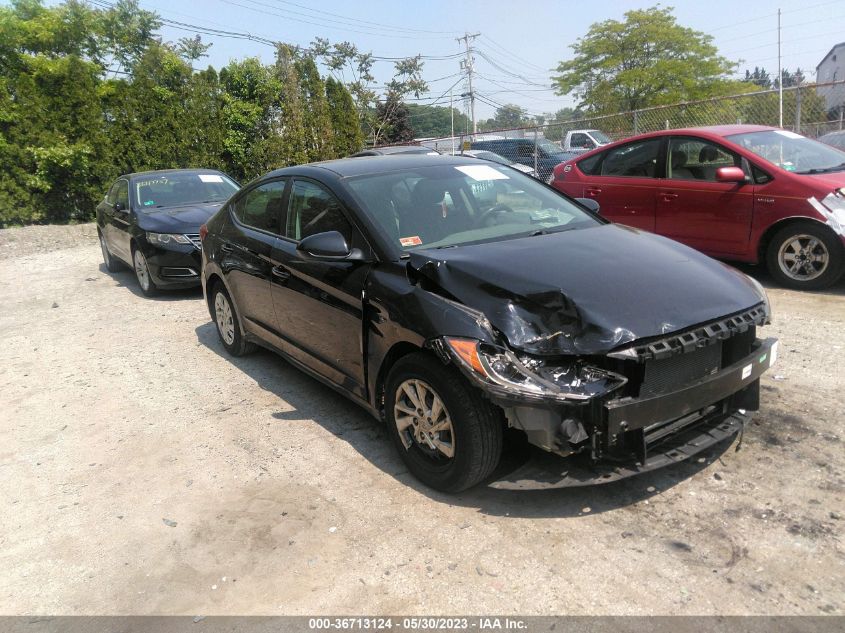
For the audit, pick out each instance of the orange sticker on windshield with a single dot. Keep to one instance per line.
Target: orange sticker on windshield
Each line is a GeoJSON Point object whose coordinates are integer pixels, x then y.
{"type": "Point", "coordinates": [414, 240]}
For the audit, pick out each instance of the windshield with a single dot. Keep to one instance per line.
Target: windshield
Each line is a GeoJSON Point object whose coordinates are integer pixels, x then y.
{"type": "Point", "coordinates": [549, 147]}
{"type": "Point", "coordinates": [791, 151]}
{"type": "Point", "coordinates": [600, 136]}
{"type": "Point", "coordinates": [453, 205]}
{"type": "Point", "coordinates": [491, 156]}
{"type": "Point", "coordinates": [179, 188]}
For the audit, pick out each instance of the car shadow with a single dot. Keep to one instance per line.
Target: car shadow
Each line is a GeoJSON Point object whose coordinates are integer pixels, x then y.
{"type": "Point", "coordinates": [125, 278]}
{"type": "Point", "coordinates": [312, 400]}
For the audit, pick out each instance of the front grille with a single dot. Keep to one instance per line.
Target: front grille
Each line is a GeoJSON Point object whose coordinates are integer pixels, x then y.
{"type": "Point", "coordinates": [195, 239]}
{"type": "Point", "coordinates": [690, 340]}
{"type": "Point", "coordinates": [669, 374]}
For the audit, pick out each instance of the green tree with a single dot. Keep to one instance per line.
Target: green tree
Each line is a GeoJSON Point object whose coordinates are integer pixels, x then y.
{"type": "Point", "coordinates": [348, 137]}
{"type": "Point", "coordinates": [647, 59]}
{"type": "Point", "coordinates": [192, 48]}
{"type": "Point", "coordinates": [319, 136]}
{"type": "Point", "coordinates": [250, 90]}
{"type": "Point", "coordinates": [436, 120]}
{"type": "Point", "coordinates": [508, 115]}
{"type": "Point", "coordinates": [287, 144]}
{"type": "Point", "coordinates": [393, 121]}
{"type": "Point", "coordinates": [759, 78]}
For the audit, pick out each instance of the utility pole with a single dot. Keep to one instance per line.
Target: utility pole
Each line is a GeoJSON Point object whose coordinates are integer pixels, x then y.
{"type": "Point", "coordinates": [467, 66]}
{"type": "Point", "coordinates": [452, 115]}
{"type": "Point", "coordinates": [780, 80]}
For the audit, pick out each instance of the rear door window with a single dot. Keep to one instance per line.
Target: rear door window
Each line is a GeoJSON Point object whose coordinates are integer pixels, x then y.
{"type": "Point", "coordinates": [636, 160]}
{"type": "Point", "coordinates": [261, 208]}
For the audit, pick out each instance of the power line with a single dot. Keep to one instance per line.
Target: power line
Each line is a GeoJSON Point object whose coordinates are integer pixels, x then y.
{"type": "Point", "coordinates": [343, 26]}
{"type": "Point", "coordinates": [507, 72]}
{"type": "Point", "coordinates": [513, 55]}
{"type": "Point", "coordinates": [366, 22]}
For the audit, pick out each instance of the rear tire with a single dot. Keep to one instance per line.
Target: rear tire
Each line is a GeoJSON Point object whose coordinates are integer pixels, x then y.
{"type": "Point", "coordinates": [475, 426]}
{"type": "Point", "coordinates": [805, 256]}
{"type": "Point", "coordinates": [112, 265]}
{"type": "Point", "coordinates": [226, 320]}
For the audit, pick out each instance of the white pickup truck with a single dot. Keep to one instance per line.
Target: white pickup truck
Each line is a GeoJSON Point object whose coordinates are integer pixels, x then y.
{"type": "Point", "coordinates": [581, 141]}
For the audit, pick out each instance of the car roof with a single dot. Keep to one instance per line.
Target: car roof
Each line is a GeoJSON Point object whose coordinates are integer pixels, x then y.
{"type": "Point", "coordinates": [833, 134]}
{"type": "Point", "coordinates": [711, 131]}
{"type": "Point", "coordinates": [159, 172]}
{"type": "Point", "coordinates": [366, 165]}
{"type": "Point", "coordinates": [706, 130]}
{"type": "Point", "coordinates": [393, 149]}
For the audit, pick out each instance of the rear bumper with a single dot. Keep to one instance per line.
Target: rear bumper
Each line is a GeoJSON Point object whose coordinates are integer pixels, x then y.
{"type": "Point", "coordinates": [597, 442]}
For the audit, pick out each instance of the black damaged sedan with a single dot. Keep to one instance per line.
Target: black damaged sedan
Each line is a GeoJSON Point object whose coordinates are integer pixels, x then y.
{"type": "Point", "coordinates": [456, 301]}
{"type": "Point", "coordinates": [150, 221]}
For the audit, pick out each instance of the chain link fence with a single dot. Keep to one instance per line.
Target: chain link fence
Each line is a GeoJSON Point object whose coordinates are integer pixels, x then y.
{"type": "Point", "coordinates": [812, 110]}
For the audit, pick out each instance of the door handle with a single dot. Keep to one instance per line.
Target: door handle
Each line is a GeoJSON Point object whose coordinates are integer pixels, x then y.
{"type": "Point", "coordinates": [593, 191]}
{"type": "Point", "coordinates": [668, 197]}
{"type": "Point", "coordinates": [227, 248]}
{"type": "Point", "coordinates": [281, 272]}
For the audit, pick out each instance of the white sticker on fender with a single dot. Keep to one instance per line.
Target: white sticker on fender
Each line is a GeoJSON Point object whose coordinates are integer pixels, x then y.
{"type": "Point", "coordinates": [746, 371]}
{"type": "Point", "coordinates": [773, 354]}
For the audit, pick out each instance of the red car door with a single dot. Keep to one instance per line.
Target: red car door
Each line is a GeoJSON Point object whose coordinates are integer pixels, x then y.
{"type": "Point", "coordinates": [624, 182]}
{"type": "Point", "coordinates": [693, 208]}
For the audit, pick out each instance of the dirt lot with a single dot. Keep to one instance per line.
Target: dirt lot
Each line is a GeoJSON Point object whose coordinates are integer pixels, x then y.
{"type": "Point", "coordinates": [144, 471]}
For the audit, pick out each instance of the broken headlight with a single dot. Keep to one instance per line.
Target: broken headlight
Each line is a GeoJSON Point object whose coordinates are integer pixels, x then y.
{"type": "Point", "coordinates": [499, 368]}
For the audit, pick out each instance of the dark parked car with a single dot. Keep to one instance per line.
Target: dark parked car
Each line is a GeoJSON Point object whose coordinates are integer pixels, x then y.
{"type": "Point", "coordinates": [396, 149]}
{"type": "Point", "coordinates": [151, 221]}
{"type": "Point", "coordinates": [746, 193]}
{"type": "Point", "coordinates": [455, 298]}
{"type": "Point", "coordinates": [523, 150]}
{"type": "Point", "coordinates": [834, 139]}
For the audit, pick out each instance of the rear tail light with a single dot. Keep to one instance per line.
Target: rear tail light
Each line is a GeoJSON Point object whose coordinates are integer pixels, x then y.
{"type": "Point", "coordinates": [203, 232]}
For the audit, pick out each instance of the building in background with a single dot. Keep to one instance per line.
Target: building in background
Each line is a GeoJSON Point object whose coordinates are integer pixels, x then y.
{"type": "Point", "coordinates": [832, 68]}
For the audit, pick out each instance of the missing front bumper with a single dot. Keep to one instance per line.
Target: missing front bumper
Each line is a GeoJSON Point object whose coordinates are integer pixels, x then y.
{"type": "Point", "coordinates": [628, 436]}
{"type": "Point", "coordinates": [547, 471]}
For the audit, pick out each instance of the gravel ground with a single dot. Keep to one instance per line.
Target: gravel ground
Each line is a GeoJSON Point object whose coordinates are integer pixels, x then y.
{"type": "Point", "coordinates": [142, 471]}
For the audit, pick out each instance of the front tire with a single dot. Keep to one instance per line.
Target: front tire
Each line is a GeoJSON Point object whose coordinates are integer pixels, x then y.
{"type": "Point", "coordinates": [805, 256]}
{"type": "Point", "coordinates": [142, 273]}
{"type": "Point", "coordinates": [449, 437]}
{"type": "Point", "coordinates": [226, 319]}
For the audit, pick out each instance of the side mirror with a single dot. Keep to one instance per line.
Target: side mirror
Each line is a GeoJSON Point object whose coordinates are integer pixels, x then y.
{"type": "Point", "coordinates": [328, 245]}
{"type": "Point", "coordinates": [118, 206]}
{"type": "Point", "coordinates": [591, 204]}
{"type": "Point", "coordinates": [730, 174]}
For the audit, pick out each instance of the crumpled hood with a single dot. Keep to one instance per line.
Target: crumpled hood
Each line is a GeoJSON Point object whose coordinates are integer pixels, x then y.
{"type": "Point", "coordinates": [183, 219]}
{"type": "Point", "coordinates": [587, 291]}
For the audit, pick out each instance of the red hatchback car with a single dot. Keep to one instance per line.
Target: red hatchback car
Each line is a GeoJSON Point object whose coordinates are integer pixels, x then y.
{"type": "Point", "coordinates": [745, 193]}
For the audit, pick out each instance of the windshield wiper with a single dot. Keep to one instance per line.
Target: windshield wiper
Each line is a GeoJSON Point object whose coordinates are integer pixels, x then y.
{"type": "Point", "coordinates": [823, 170]}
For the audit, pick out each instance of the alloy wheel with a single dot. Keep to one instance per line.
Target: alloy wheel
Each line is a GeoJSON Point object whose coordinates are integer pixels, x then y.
{"type": "Point", "coordinates": [225, 321]}
{"type": "Point", "coordinates": [422, 420]}
{"type": "Point", "coordinates": [803, 257]}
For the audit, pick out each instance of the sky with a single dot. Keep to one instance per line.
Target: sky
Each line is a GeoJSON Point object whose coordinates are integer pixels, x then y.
{"type": "Point", "coordinates": [520, 43]}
